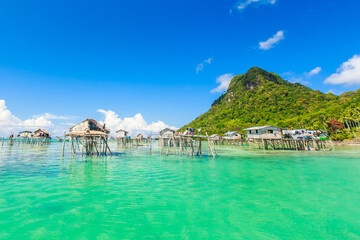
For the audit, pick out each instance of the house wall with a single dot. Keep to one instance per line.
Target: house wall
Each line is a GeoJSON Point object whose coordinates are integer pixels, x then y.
{"type": "Point", "coordinates": [232, 135]}
{"type": "Point", "coordinates": [217, 138]}
{"type": "Point", "coordinates": [139, 136]}
{"type": "Point", "coordinates": [25, 134]}
{"type": "Point", "coordinates": [121, 134]}
{"type": "Point", "coordinates": [36, 134]}
{"type": "Point", "coordinates": [263, 133]}
{"type": "Point", "coordinates": [167, 134]}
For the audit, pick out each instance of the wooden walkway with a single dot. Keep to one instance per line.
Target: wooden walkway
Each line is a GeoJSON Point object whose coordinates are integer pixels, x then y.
{"type": "Point", "coordinates": [291, 144]}
{"type": "Point", "coordinates": [190, 145]}
{"type": "Point", "coordinates": [132, 142]}
{"type": "Point", "coordinates": [34, 141]}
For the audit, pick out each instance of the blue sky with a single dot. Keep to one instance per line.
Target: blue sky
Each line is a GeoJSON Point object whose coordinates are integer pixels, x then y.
{"type": "Point", "coordinates": [162, 59]}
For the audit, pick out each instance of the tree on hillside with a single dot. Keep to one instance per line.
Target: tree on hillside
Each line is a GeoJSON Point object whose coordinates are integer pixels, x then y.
{"type": "Point", "coordinates": [335, 125]}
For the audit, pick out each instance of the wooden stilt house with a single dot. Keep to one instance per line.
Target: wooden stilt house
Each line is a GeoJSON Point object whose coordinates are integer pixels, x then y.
{"type": "Point", "coordinates": [42, 133]}
{"type": "Point", "coordinates": [89, 137]}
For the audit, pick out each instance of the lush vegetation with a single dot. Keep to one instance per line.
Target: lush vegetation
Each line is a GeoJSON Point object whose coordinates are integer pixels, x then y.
{"type": "Point", "coordinates": [262, 98]}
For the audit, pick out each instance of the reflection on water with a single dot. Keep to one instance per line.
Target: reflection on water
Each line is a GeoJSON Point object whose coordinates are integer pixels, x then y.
{"type": "Point", "coordinates": [242, 194]}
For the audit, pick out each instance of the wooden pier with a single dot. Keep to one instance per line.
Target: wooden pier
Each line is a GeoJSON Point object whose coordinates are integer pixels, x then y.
{"type": "Point", "coordinates": [132, 142]}
{"type": "Point", "coordinates": [280, 144]}
{"type": "Point", "coordinates": [33, 141]}
{"type": "Point", "coordinates": [292, 144]}
{"type": "Point", "coordinates": [190, 145]}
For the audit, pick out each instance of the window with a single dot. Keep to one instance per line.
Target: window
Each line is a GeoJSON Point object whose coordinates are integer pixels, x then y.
{"type": "Point", "coordinates": [257, 131]}
{"type": "Point", "coordinates": [270, 131]}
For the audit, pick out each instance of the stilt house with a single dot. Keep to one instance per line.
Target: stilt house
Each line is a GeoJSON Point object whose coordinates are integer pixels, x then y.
{"type": "Point", "coordinates": [89, 126]}
{"type": "Point", "coordinates": [216, 137]}
{"type": "Point", "coordinates": [139, 136]}
{"type": "Point", "coordinates": [166, 133]}
{"type": "Point", "coordinates": [121, 133]}
{"type": "Point", "coordinates": [25, 134]}
{"type": "Point", "coordinates": [232, 135]}
{"type": "Point", "coordinates": [264, 132]}
{"type": "Point", "coordinates": [89, 136]}
{"type": "Point", "coordinates": [41, 133]}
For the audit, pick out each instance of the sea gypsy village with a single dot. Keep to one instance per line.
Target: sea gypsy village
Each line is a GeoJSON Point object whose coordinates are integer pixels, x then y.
{"type": "Point", "coordinates": [90, 137]}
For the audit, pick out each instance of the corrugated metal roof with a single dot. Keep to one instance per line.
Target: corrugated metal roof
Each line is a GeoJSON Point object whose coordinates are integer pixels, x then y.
{"type": "Point", "coordinates": [229, 133]}
{"type": "Point", "coordinates": [166, 130]}
{"type": "Point", "coordinates": [121, 130]}
{"type": "Point", "coordinates": [258, 128]}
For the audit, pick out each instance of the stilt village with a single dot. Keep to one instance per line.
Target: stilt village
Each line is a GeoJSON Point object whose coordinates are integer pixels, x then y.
{"type": "Point", "coordinates": [89, 137]}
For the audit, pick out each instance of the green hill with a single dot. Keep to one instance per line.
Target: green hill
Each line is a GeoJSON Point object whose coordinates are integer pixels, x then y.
{"type": "Point", "coordinates": [263, 98]}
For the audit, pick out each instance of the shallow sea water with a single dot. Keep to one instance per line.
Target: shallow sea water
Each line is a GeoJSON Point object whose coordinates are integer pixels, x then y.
{"type": "Point", "coordinates": [241, 194]}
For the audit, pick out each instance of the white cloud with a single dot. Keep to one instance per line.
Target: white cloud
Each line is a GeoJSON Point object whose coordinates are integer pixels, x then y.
{"type": "Point", "coordinates": [224, 81]}
{"type": "Point", "coordinates": [244, 3]}
{"type": "Point", "coordinates": [208, 60]}
{"type": "Point", "coordinates": [51, 116]}
{"type": "Point", "coordinates": [348, 73]}
{"type": "Point", "coordinates": [297, 78]}
{"type": "Point", "coordinates": [272, 41]}
{"type": "Point", "coordinates": [200, 66]}
{"type": "Point", "coordinates": [300, 80]}
{"type": "Point", "coordinates": [315, 71]}
{"type": "Point", "coordinates": [133, 125]}
{"type": "Point", "coordinates": [287, 74]}
{"type": "Point", "coordinates": [10, 123]}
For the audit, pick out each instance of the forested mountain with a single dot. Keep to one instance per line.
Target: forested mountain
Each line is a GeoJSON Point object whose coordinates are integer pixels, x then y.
{"type": "Point", "coordinates": [263, 98]}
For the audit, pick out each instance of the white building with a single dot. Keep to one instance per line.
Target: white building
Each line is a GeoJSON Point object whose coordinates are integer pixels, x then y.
{"type": "Point", "coordinates": [166, 133]}
{"type": "Point", "coordinates": [139, 136]}
{"type": "Point", "coordinates": [25, 134]}
{"type": "Point", "coordinates": [232, 135]}
{"type": "Point", "coordinates": [216, 137]}
{"type": "Point", "coordinates": [121, 133]}
{"type": "Point", "coordinates": [42, 133]}
{"type": "Point", "coordinates": [264, 132]}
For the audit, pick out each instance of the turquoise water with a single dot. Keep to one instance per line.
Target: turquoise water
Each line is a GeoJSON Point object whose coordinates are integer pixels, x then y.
{"type": "Point", "coordinates": [132, 195]}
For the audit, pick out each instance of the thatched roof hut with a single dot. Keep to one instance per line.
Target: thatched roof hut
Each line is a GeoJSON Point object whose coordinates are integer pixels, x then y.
{"type": "Point", "coordinates": [90, 136]}
{"type": "Point", "coordinates": [42, 133]}
{"type": "Point", "coordinates": [89, 127]}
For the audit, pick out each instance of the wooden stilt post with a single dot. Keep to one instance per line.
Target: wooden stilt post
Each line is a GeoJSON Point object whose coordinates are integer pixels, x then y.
{"type": "Point", "coordinates": [63, 148]}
